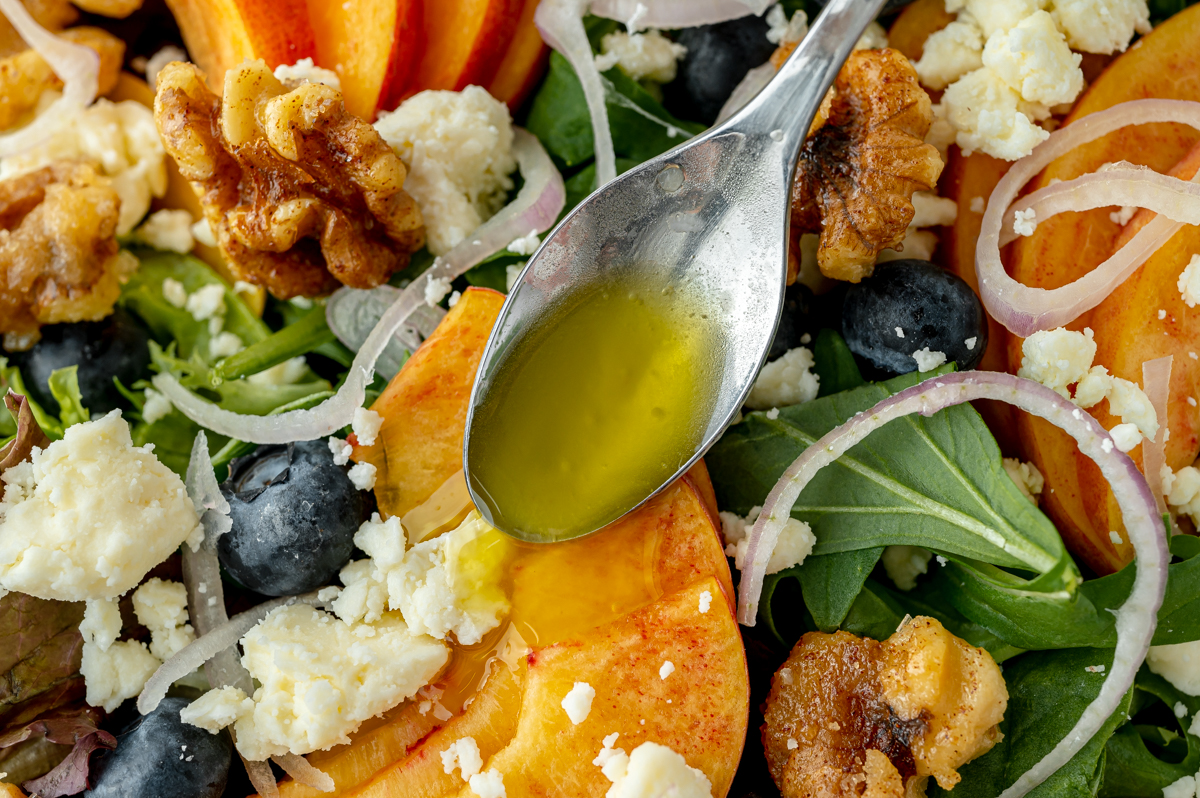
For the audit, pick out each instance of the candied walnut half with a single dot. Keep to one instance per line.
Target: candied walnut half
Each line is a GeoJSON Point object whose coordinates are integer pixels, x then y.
{"type": "Point", "coordinates": [864, 158]}
{"type": "Point", "coordinates": [26, 75]}
{"type": "Point", "coordinates": [59, 259]}
{"type": "Point", "coordinates": [850, 716]}
{"type": "Point", "coordinates": [301, 195]}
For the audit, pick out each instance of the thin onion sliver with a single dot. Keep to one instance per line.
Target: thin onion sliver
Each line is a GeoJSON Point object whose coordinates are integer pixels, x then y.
{"type": "Point", "coordinates": [1137, 617]}
{"type": "Point", "coordinates": [1156, 382]}
{"type": "Point", "coordinates": [299, 769]}
{"type": "Point", "coordinates": [675, 14]}
{"type": "Point", "coordinates": [537, 206]}
{"type": "Point", "coordinates": [1024, 309]}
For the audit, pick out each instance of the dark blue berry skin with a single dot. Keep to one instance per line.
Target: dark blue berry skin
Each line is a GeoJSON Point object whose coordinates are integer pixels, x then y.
{"type": "Point", "coordinates": [806, 314]}
{"type": "Point", "coordinates": [935, 308]}
{"type": "Point", "coordinates": [114, 347]}
{"type": "Point", "coordinates": [147, 761]}
{"type": "Point", "coordinates": [718, 57]}
{"type": "Point", "coordinates": [294, 516]}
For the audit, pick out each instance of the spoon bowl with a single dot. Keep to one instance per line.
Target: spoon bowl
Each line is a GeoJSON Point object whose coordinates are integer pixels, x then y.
{"type": "Point", "coordinates": [705, 224]}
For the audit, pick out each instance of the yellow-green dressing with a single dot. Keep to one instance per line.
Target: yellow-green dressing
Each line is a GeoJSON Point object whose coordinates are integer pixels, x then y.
{"type": "Point", "coordinates": [589, 416]}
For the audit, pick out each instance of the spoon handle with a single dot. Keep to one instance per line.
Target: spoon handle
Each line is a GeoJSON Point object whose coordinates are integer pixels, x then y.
{"type": "Point", "coordinates": [785, 108]}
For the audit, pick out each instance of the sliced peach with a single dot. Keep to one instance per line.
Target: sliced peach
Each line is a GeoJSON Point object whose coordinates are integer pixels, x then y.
{"type": "Point", "coordinates": [1065, 247]}
{"type": "Point", "coordinates": [524, 62]}
{"type": "Point", "coordinates": [10, 791]}
{"type": "Point", "coordinates": [465, 42]}
{"type": "Point", "coordinates": [222, 33]}
{"type": "Point", "coordinates": [373, 45]}
{"type": "Point", "coordinates": [915, 24]}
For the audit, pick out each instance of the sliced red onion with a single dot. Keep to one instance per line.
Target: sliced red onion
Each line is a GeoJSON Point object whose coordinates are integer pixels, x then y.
{"type": "Point", "coordinates": [204, 648]}
{"type": "Point", "coordinates": [1024, 309]}
{"type": "Point", "coordinates": [1137, 617]}
{"type": "Point", "coordinates": [755, 81]}
{"type": "Point", "coordinates": [205, 493]}
{"type": "Point", "coordinates": [262, 778]}
{"type": "Point", "coordinates": [536, 207]}
{"type": "Point", "coordinates": [1156, 383]}
{"type": "Point", "coordinates": [352, 314]}
{"type": "Point", "coordinates": [299, 769]}
{"type": "Point", "coordinates": [674, 14]}
{"type": "Point", "coordinates": [77, 66]}
{"type": "Point", "coordinates": [1178, 200]}
{"type": "Point", "coordinates": [561, 25]}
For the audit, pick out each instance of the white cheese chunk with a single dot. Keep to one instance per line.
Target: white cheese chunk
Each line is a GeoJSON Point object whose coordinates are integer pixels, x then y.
{"type": "Point", "coordinates": [463, 754]}
{"type": "Point", "coordinates": [951, 52]}
{"type": "Point", "coordinates": [305, 71]}
{"type": "Point", "coordinates": [578, 702]}
{"type": "Point", "coordinates": [1026, 476]}
{"type": "Point", "coordinates": [641, 56]}
{"type": "Point", "coordinates": [905, 563]}
{"type": "Point", "coordinates": [785, 381]}
{"type": "Point", "coordinates": [654, 770]}
{"type": "Point", "coordinates": [1189, 282]}
{"type": "Point", "coordinates": [1101, 26]}
{"type": "Point", "coordinates": [217, 709]}
{"type": "Point", "coordinates": [1057, 358]}
{"type": "Point", "coordinates": [1179, 664]}
{"type": "Point", "coordinates": [161, 606]}
{"type": "Point", "coordinates": [366, 426]}
{"type": "Point", "coordinates": [489, 784]}
{"type": "Point", "coordinates": [1034, 59]}
{"type": "Point", "coordinates": [168, 230]}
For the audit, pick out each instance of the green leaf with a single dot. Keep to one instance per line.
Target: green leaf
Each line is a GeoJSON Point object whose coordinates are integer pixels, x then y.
{"type": "Point", "coordinates": [1131, 770]}
{"type": "Point", "coordinates": [11, 379]}
{"type": "Point", "coordinates": [835, 364]}
{"type": "Point", "coordinates": [64, 387]}
{"type": "Point", "coordinates": [830, 583]}
{"type": "Point", "coordinates": [492, 272]}
{"type": "Point", "coordinates": [933, 482]}
{"type": "Point", "coordinates": [559, 115]}
{"type": "Point", "coordinates": [1161, 10]}
{"type": "Point", "coordinates": [1047, 692]}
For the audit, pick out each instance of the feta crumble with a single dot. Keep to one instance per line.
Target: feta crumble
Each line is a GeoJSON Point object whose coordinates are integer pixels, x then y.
{"type": "Point", "coordinates": [930, 210]}
{"type": "Point", "coordinates": [989, 115]}
{"type": "Point", "coordinates": [1125, 436]}
{"type": "Point", "coordinates": [217, 709]}
{"type": "Point", "coordinates": [436, 289]}
{"type": "Point", "coordinates": [705, 601]}
{"type": "Point", "coordinates": [156, 406]}
{"type": "Point", "coordinates": [970, 343]}
{"type": "Point", "coordinates": [1123, 215]}
{"type": "Point", "coordinates": [1189, 282]}
{"type": "Point", "coordinates": [1179, 664]}
{"type": "Point", "coordinates": [785, 381]}
{"type": "Point", "coordinates": [796, 541]}
{"type": "Point", "coordinates": [666, 670]}
{"type": "Point", "coordinates": [489, 784]}
{"type": "Point", "coordinates": [1101, 26]}
{"type": "Point", "coordinates": [578, 702]}
{"type": "Point", "coordinates": [174, 292]}
{"type": "Point", "coordinates": [1025, 222]}
{"type": "Point", "coordinates": [206, 302]}
{"type": "Point", "coordinates": [341, 450]}
{"type": "Point", "coordinates": [362, 475]}
{"type": "Point", "coordinates": [978, 205]}
{"type": "Point", "coordinates": [653, 771]}
{"type": "Point", "coordinates": [905, 563]}
{"type": "Point", "coordinates": [462, 754]}
{"type": "Point", "coordinates": [161, 606]}
{"type": "Point", "coordinates": [1033, 57]}
{"type": "Point", "coordinates": [1057, 358]}
{"type": "Point", "coordinates": [305, 71]}
{"type": "Point", "coordinates": [641, 56]}
{"type": "Point", "coordinates": [1183, 787]}
{"type": "Point", "coordinates": [525, 245]}
{"type": "Point", "coordinates": [168, 230]}
{"type": "Point", "coordinates": [899, 332]}
{"type": "Point", "coordinates": [951, 52]}
{"type": "Point", "coordinates": [1027, 477]}
{"type": "Point", "coordinates": [366, 426]}
{"type": "Point", "coordinates": [112, 670]}
{"type": "Point", "coordinates": [90, 515]}
{"type": "Point", "coordinates": [457, 147]}
{"type": "Point", "coordinates": [928, 360]}
{"type": "Point", "coordinates": [225, 344]}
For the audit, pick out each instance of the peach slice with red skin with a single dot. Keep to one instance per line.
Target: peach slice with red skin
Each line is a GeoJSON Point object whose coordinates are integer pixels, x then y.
{"type": "Point", "coordinates": [524, 62]}
{"type": "Point", "coordinates": [914, 25]}
{"type": "Point", "coordinates": [465, 42]}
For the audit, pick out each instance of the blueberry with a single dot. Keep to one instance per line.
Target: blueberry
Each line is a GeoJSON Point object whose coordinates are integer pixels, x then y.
{"type": "Point", "coordinates": [114, 347]}
{"type": "Point", "coordinates": [294, 516]}
{"type": "Point", "coordinates": [933, 307]}
{"type": "Point", "coordinates": [718, 57]}
{"type": "Point", "coordinates": [805, 314]}
{"type": "Point", "coordinates": [159, 755]}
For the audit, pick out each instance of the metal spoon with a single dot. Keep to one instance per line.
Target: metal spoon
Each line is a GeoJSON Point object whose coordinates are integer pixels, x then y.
{"type": "Point", "coordinates": [711, 214]}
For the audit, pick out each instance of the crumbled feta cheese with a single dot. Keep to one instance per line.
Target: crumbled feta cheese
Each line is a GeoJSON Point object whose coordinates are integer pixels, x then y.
{"type": "Point", "coordinates": [905, 563]}
{"type": "Point", "coordinates": [453, 300]}
{"type": "Point", "coordinates": [1125, 436]}
{"type": "Point", "coordinates": [932, 210]}
{"type": "Point", "coordinates": [928, 360]}
{"type": "Point", "coordinates": [970, 342]}
{"type": "Point", "coordinates": [288, 372]}
{"type": "Point", "coordinates": [641, 56]}
{"type": "Point", "coordinates": [1026, 475]}
{"type": "Point", "coordinates": [1183, 787]}
{"type": "Point", "coordinates": [119, 139]}
{"type": "Point", "coordinates": [174, 292]}
{"type": "Point", "coordinates": [168, 230]}
{"type": "Point", "coordinates": [90, 515]}
{"type": "Point", "coordinates": [899, 332]}
{"type": "Point", "coordinates": [996, 16]}
{"type": "Point", "coordinates": [785, 31]}
{"type": "Point", "coordinates": [112, 676]}
{"type": "Point", "coordinates": [951, 52]}
{"type": "Point", "coordinates": [1034, 59]}
{"type": "Point", "coordinates": [1127, 400]}
{"type": "Point", "coordinates": [217, 709]}
{"type": "Point", "coordinates": [990, 115]}
{"type": "Point", "coordinates": [652, 771]}
{"type": "Point", "coordinates": [206, 302]}
{"type": "Point", "coordinates": [320, 681]}
{"type": "Point", "coordinates": [918, 244]}
{"type": "Point", "coordinates": [489, 784]}
{"type": "Point", "coordinates": [785, 381]}
{"type": "Point", "coordinates": [1025, 222]}
{"type": "Point", "coordinates": [156, 407]}
{"type": "Point", "coordinates": [436, 290]}
{"type": "Point", "coordinates": [341, 450]}
{"type": "Point", "coordinates": [463, 754]}
{"type": "Point", "coordinates": [873, 38]}
{"type": "Point", "coordinates": [458, 150]}
{"type": "Point", "coordinates": [666, 670]}
{"type": "Point", "coordinates": [705, 601]}
{"type": "Point", "coordinates": [1057, 358]}
{"type": "Point", "coordinates": [1179, 664]}
{"type": "Point", "coordinates": [772, 414]}
{"type": "Point", "coordinates": [366, 426]}
{"type": "Point", "coordinates": [1115, 538]}
{"type": "Point", "coordinates": [225, 344]}
{"type": "Point", "coordinates": [1189, 282]}
{"type": "Point", "coordinates": [525, 245]}
{"type": "Point", "coordinates": [202, 232]}
{"type": "Point", "coordinates": [796, 541]}
{"type": "Point", "coordinates": [978, 205]}
{"type": "Point", "coordinates": [1180, 709]}
{"type": "Point", "coordinates": [1123, 215]}
{"type": "Point", "coordinates": [512, 273]}
{"type": "Point", "coordinates": [161, 607]}
{"type": "Point", "coordinates": [305, 71]}
{"type": "Point", "coordinates": [1094, 668]}
{"type": "Point", "coordinates": [1101, 26]}
{"type": "Point", "coordinates": [1162, 314]}
{"type": "Point", "coordinates": [101, 625]}
{"type": "Point", "coordinates": [792, 745]}
{"type": "Point", "coordinates": [362, 475]}
{"type": "Point", "coordinates": [578, 702]}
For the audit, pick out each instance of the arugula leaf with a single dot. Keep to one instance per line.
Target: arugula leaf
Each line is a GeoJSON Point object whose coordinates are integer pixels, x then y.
{"type": "Point", "coordinates": [835, 366]}
{"type": "Point", "coordinates": [1131, 770]}
{"type": "Point", "coordinates": [11, 380]}
{"type": "Point", "coordinates": [1047, 692]}
{"type": "Point", "coordinates": [64, 387]}
{"type": "Point", "coordinates": [830, 584]}
{"type": "Point", "coordinates": [934, 482]}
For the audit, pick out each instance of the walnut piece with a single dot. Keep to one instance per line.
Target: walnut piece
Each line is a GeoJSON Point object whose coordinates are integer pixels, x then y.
{"type": "Point", "coordinates": [864, 158]}
{"type": "Point", "coordinates": [26, 75]}
{"type": "Point", "coordinates": [852, 716]}
{"type": "Point", "coordinates": [301, 195]}
{"type": "Point", "coordinates": [59, 258]}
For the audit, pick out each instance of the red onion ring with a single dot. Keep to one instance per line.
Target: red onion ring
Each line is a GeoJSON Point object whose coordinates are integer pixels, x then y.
{"type": "Point", "coordinates": [561, 24]}
{"type": "Point", "coordinates": [1156, 383]}
{"type": "Point", "coordinates": [674, 14]}
{"type": "Point", "coordinates": [300, 770]}
{"type": "Point", "coordinates": [536, 207]}
{"type": "Point", "coordinates": [1024, 309]}
{"type": "Point", "coordinates": [1137, 617]}
{"type": "Point", "coordinates": [77, 66]}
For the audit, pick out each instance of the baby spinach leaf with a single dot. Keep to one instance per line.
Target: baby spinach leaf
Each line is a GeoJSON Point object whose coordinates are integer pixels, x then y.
{"type": "Point", "coordinates": [11, 380]}
{"type": "Point", "coordinates": [935, 482]}
{"type": "Point", "coordinates": [1131, 769]}
{"type": "Point", "coordinates": [835, 364]}
{"type": "Point", "coordinates": [830, 583]}
{"type": "Point", "coordinates": [1047, 692]}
